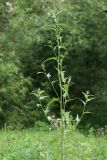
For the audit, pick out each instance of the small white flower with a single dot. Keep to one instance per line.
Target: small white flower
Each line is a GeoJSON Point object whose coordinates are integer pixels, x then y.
{"type": "Point", "coordinates": [50, 129]}
{"type": "Point", "coordinates": [48, 75]}
{"type": "Point", "coordinates": [49, 118]}
{"type": "Point", "coordinates": [38, 105]}
{"type": "Point", "coordinates": [8, 4]}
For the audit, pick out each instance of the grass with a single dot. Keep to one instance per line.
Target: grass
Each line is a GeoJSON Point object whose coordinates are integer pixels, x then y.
{"type": "Point", "coordinates": [42, 145]}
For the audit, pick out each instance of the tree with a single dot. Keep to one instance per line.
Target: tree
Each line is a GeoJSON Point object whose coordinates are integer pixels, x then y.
{"type": "Point", "coordinates": [24, 35]}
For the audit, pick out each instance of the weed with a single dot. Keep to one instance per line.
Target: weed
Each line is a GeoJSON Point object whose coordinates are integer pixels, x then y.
{"type": "Point", "coordinates": [62, 82]}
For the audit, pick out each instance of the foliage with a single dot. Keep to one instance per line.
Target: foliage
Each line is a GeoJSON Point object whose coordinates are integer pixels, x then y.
{"type": "Point", "coordinates": [14, 87]}
{"type": "Point", "coordinates": [24, 35]}
{"type": "Point", "coordinates": [32, 145]}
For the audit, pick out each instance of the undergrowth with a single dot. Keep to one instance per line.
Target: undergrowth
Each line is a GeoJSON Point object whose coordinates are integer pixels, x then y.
{"type": "Point", "coordinates": [39, 145]}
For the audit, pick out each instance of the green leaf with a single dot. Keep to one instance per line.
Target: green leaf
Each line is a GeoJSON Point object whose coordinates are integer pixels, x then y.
{"type": "Point", "coordinates": [82, 101]}
{"type": "Point", "coordinates": [89, 99]}
{"type": "Point", "coordinates": [67, 117]}
{"type": "Point", "coordinates": [46, 110]}
{"type": "Point", "coordinates": [70, 100]}
{"type": "Point", "coordinates": [53, 82]}
{"type": "Point", "coordinates": [62, 47]}
{"type": "Point", "coordinates": [52, 101]}
{"type": "Point", "coordinates": [63, 76]}
{"type": "Point", "coordinates": [40, 72]}
{"type": "Point", "coordinates": [43, 97]}
{"type": "Point", "coordinates": [87, 113]}
{"type": "Point", "coordinates": [50, 59]}
{"type": "Point", "coordinates": [85, 94]}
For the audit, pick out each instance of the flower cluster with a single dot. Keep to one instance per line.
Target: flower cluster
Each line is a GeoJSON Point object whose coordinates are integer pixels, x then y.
{"type": "Point", "coordinates": [102, 131]}
{"type": "Point", "coordinates": [55, 121]}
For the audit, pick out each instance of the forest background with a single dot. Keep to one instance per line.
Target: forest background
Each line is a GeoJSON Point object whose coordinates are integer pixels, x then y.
{"type": "Point", "coordinates": [24, 37]}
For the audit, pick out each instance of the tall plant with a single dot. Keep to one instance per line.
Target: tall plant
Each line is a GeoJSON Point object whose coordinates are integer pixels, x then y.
{"type": "Point", "coordinates": [62, 82]}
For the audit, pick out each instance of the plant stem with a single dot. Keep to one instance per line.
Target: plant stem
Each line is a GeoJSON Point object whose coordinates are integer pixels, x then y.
{"type": "Point", "coordinates": [61, 98]}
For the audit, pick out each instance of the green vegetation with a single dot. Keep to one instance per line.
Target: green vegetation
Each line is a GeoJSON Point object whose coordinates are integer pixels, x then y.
{"type": "Point", "coordinates": [61, 83]}
{"type": "Point", "coordinates": [69, 39]}
{"type": "Point", "coordinates": [34, 145]}
{"type": "Point", "coordinates": [24, 35]}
